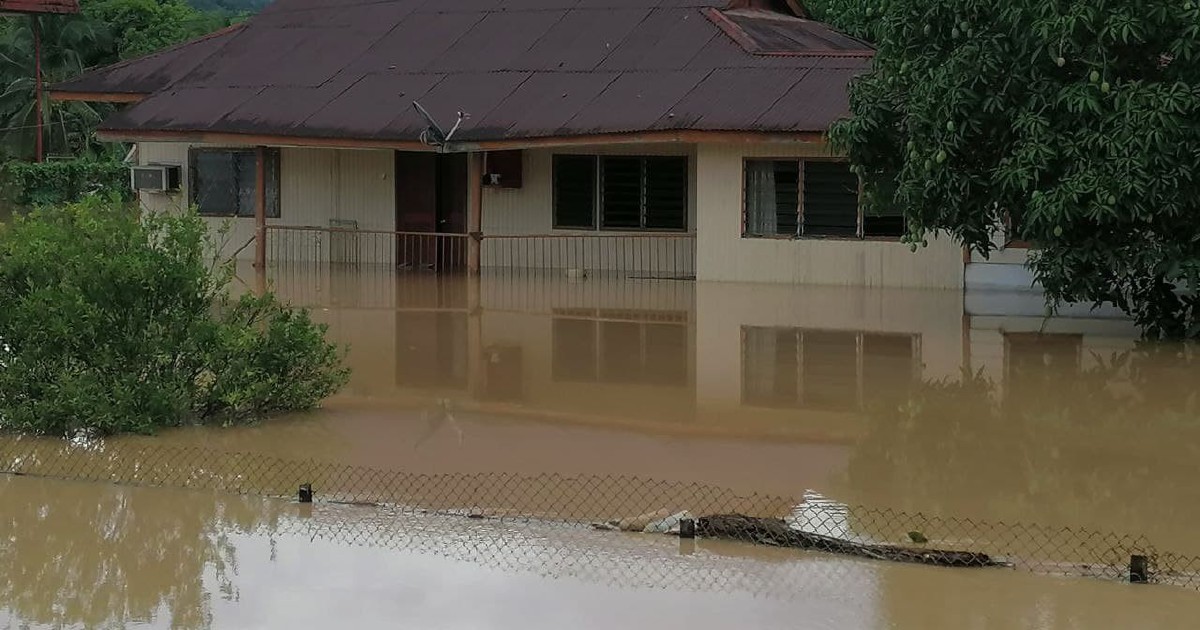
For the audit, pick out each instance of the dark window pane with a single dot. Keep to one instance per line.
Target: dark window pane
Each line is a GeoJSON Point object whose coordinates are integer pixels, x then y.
{"type": "Point", "coordinates": [772, 197]}
{"type": "Point", "coordinates": [883, 225]}
{"type": "Point", "coordinates": [622, 192]}
{"type": "Point", "coordinates": [574, 191]}
{"type": "Point", "coordinates": [245, 164]}
{"type": "Point", "coordinates": [214, 186]}
{"type": "Point", "coordinates": [830, 370]}
{"type": "Point", "coordinates": [225, 183]}
{"type": "Point", "coordinates": [666, 193]}
{"type": "Point", "coordinates": [574, 350]}
{"type": "Point", "coordinates": [830, 199]}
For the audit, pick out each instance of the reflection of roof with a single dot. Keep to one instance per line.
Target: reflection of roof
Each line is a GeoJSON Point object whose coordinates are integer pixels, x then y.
{"type": "Point", "coordinates": [39, 6]}
{"type": "Point", "coordinates": [520, 68]}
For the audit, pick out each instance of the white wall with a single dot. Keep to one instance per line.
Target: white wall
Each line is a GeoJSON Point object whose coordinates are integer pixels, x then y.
{"type": "Point", "coordinates": [316, 185]}
{"type": "Point", "coordinates": [723, 254]}
{"type": "Point", "coordinates": [529, 210]}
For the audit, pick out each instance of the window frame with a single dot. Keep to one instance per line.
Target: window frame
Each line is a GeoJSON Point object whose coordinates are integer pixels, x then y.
{"type": "Point", "coordinates": [597, 224]}
{"type": "Point", "coordinates": [193, 190]}
{"type": "Point", "coordinates": [860, 219]}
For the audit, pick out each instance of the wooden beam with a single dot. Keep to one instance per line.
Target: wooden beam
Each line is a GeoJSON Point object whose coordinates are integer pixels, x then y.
{"type": "Point", "coordinates": [474, 211]}
{"type": "Point", "coordinates": [95, 97]}
{"type": "Point", "coordinates": [260, 208]}
{"type": "Point", "coordinates": [637, 138]}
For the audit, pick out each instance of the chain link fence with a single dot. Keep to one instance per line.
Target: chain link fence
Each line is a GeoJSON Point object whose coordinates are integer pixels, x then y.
{"type": "Point", "coordinates": [618, 504]}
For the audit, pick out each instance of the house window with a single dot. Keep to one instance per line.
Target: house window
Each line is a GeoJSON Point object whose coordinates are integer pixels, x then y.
{"type": "Point", "coordinates": [224, 182]}
{"type": "Point", "coordinates": [620, 347]}
{"type": "Point", "coordinates": [809, 198]}
{"type": "Point", "coordinates": [620, 192]}
{"type": "Point", "coordinates": [825, 370]}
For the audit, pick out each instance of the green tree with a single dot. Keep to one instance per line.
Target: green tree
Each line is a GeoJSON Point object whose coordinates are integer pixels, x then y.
{"type": "Point", "coordinates": [1070, 124]}
{"type": "Point", "coordinates": [69, 45]}
{"type": "Point", "coordinates": [140, 27]}
{"type": "Point", "coordinates": [115, 322]}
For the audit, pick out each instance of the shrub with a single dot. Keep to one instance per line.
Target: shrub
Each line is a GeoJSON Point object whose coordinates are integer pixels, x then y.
{"type": "Point", "coordinates": [114, 322]}
{"type": "Point", "coordinates": [27, 184]}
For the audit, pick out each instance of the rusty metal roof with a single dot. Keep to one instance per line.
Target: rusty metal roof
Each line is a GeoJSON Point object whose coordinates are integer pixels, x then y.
{"type": "Point", "coordinates": [39, 6]}
{"type": "Point", "coordinates": [520, 68]}
{"type": "Point", "coordinates": [146, 75]}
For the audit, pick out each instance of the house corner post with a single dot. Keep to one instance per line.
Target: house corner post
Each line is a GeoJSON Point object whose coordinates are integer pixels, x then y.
{"type": "Point", "coordinates": [260, 208]}
{"type": "Point", "coordinates": [474, 211]}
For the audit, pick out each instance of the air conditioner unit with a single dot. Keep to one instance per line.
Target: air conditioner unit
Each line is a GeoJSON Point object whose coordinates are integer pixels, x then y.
{"type": "Point", "coordinates": [155, 177]}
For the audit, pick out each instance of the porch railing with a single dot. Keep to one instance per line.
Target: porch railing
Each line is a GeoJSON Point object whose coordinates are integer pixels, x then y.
{"type": "Point", "coordinates": [654, 255]}
{"type": "Point", "coordinates": [404, 250]}
{"type": "Point", "coordinates": [657, 254]}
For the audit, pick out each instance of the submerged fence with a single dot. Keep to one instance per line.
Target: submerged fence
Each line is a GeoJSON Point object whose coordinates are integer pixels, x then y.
{"type": "Point", "coordinates": [620, 504]}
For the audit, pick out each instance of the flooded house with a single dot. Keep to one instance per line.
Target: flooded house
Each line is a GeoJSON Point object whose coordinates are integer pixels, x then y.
{"type": "Point", "coordinates": [684, 139]}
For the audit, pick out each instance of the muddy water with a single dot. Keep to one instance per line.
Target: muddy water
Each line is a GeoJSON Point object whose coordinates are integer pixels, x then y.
{"type": "Point", "coordinates": [91, 555]}
{"type": "Point", "coordinates": [900, 399]}
{"type": "Point", "coordinates": [889, 398]}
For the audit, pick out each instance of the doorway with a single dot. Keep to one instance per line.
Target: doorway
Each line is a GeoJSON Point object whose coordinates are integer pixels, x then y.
{"type": "Point", "coordinates": [431, 199]}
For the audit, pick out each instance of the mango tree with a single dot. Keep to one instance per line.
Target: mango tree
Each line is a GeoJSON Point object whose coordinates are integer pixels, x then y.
{"type": "Point", "coordinates": [1072, 125]}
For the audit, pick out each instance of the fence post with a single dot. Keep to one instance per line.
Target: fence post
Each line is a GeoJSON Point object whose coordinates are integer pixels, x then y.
{"type": "Point", "coordinates": [305, 493]}
{"type": "Point", "coordinates": [1139, 569]}
{"type": "Point", "coordinates": [687, 528]}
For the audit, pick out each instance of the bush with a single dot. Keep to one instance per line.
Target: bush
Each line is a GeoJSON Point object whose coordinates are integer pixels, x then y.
{"type": "Point", "coordinates": [112, 322]}
{"type": "Point", "coordinates": [28, 184]}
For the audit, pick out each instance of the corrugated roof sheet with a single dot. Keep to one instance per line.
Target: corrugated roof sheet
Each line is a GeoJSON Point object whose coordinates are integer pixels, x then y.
{"type": "Point", "coordinates": [39, 6]}
{"type": "Point", "coordinates": [520, 68]}
{"type": "Point", "coordinates": [151, 73]}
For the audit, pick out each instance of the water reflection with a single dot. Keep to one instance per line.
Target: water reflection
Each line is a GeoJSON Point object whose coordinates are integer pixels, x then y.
{"type": "Point", "coordinates": [87, 555]}
{"type": "Point", "coordinates": [868, 396]}
{"type": "Point", "coordinates": [100, 556]}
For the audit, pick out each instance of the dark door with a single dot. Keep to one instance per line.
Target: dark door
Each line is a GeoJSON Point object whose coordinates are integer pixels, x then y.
{"type": "Point", "coordinates": [431, 198]}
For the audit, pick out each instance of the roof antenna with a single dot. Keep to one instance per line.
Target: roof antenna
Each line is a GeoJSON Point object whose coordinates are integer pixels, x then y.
{"type": "Point", "coordinates": [433, 134]}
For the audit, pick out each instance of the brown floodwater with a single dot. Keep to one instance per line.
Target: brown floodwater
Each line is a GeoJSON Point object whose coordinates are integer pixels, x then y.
{"type": "Point", "coordinates": [883, 398]}
{"type": "Point", "coordinates": [101, 556]}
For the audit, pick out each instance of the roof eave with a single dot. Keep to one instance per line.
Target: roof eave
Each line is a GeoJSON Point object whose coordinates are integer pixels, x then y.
{"type": "Point", "coordinates": [681, 136]}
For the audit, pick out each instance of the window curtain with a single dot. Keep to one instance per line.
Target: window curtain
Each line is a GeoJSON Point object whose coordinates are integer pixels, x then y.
{"type": "Point", "coordinates": [760, 199]}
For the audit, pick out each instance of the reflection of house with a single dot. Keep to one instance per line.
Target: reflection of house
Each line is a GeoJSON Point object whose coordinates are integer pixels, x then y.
{"type": "Point", "coordinates": [647, 138]}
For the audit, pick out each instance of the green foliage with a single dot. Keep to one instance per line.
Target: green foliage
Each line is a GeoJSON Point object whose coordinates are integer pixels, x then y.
{"type": "Point", "coordinates": [1070, 124]}
{"type": "Point", "coordinates": [107, 31]}
{"type": "Point", "coordinates": [26, 184]}
{"type": "Point", "coordinates": [69, 45]}
{"type": "Point", "coordinates": [140, 27]}
{"type": "Point", "coordinates": [117, 323]}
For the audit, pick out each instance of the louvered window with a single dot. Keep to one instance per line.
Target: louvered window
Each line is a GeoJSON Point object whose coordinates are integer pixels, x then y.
{"type": "Point", "coordinates": [620, 192]}
{"type": "Point", "coordinates": [791, 198]}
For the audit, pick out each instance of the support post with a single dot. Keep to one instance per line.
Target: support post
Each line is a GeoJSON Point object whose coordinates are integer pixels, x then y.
{"type": "Point", "coordinates": [38, 150]}
{"type": "Point", "coordinates": [474, 211]}
{"type": "Point", "coordinates": [304, 495]}
{"type": "Point", "coordinates": [1139, 569]}
{"type": "Point", "coordinates": [260, 208]}
{"type": "Point", "coordinates": [687, 528]}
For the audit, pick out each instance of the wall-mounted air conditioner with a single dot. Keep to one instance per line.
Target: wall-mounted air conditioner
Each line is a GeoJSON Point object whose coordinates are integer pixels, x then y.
{"type": "Point", "coordinates": [155, 177]}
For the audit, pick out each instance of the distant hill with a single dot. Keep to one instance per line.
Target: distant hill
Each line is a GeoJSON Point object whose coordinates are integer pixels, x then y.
{"type": "Point", "coordinates": [230, 6]}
